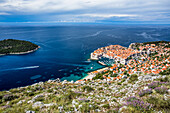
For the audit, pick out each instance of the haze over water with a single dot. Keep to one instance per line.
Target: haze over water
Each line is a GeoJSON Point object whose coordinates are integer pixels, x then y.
{"type": "Point", "coordinates": [65, 49]}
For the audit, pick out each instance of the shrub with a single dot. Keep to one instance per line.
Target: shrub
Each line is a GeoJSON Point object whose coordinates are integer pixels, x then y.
{"type": "Point", "coordinates": [70, 96]}
{"type": "Point", "coordinates": [119, 83]}
{"type": "Point", "coordinates": [159, 103]}
{"type": "Point", "coordinates": [12, 102]}
{"type": "Point", "coordinates": [164, 83]}
{"type": "Point", "coordinates": [30, 93]}
{"type": "Point", "coordinates": [50, 90]}
{"type": "Point", "coordinates": [153, 85]}
{"type": "Point", "coordinates": [74, 86]}
{"type": "Point", "coordinates": [39, 99]}
{"type": "Point", "coordinates": [166, 79]}
{"type": "Point", "coordinates": [114, 75]}
{"type": "Point", "coordinates": [83, 100]}
{"type": "Point", "coordinates": [85, 108]}
{"type": "Point", "coordinates": [87, 88]}
{"type": "Point", "coordinates": [100, 88]}
{"type": "Point", "coordinates": [9, 97]}
{"type": "Point", "coordinates": [14, 90]}
{"type": "Point", "coordinates": [161, 90]}
{"type": "Point", "coordinates": [1, 96]}
{"type": "Point", "coordinates": [138, 104]}
{"type": "Point", "coordinates": [132, 98]}
{"type": "Point", "coordinates": [106, 106]}
{"type": "Point", "coordinates": [133, 78]}
{"type": "Point", "coordinates": [145, 92]}
{"type": "Point", "coordinates": [98, 76]}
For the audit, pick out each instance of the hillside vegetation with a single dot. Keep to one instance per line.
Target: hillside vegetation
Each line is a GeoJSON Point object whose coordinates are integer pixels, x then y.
{"type": "Point", "coordinates": [148, 94]}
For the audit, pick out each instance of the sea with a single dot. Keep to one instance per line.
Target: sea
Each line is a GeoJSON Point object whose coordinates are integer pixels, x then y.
{"type": "Point", "coordinates": [65, 50]}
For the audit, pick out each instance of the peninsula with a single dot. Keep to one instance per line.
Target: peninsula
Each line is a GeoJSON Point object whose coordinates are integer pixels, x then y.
{"type": "Point", "coordinates": [145, 58]}
{"type": "Point", "coordinates": [12, 46]}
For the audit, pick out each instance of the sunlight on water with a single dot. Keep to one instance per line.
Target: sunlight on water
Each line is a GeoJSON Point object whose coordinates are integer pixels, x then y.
{"type": "Point", "coordinates": [35, 77]}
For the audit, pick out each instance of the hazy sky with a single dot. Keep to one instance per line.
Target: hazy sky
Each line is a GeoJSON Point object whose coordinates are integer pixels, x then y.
{"type": "Point", "coordinates": [73, 11]}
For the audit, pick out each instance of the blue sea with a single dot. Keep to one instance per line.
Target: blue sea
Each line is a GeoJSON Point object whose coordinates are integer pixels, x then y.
{"type": "Point", "coordinates": [65, 49]}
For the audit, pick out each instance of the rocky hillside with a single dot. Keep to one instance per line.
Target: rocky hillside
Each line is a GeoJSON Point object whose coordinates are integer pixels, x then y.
{"type": "Point", "coordinates": [138, 93]}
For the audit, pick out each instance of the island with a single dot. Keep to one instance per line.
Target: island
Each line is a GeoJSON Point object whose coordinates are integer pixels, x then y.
{"type": "Point", "coordinates": [13, 46]}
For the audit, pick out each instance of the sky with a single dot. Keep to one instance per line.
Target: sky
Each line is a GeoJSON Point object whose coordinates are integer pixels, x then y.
{"type": "Point", "coordinates": [84, 11]}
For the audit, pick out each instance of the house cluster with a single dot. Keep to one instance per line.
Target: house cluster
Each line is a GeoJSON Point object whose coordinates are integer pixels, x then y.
{"type": "Point", "coordinates": [120, 54]}
{"type": "Point", "coordinates": [142, 58]}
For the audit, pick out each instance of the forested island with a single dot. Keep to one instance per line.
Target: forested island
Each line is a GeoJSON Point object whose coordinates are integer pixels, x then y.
{"type": "Point", "coordinates": [13, 46]}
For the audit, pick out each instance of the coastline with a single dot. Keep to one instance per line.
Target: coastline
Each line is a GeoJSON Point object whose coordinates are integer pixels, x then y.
{"type": "Point", "coordinates": [101, 63]}
{"type": "Point", "coordinates": [90, 75]}
{"type": "Point", "coordinates": [21, 53]}
{"type": "Point", "coordinates": [122, 55]}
